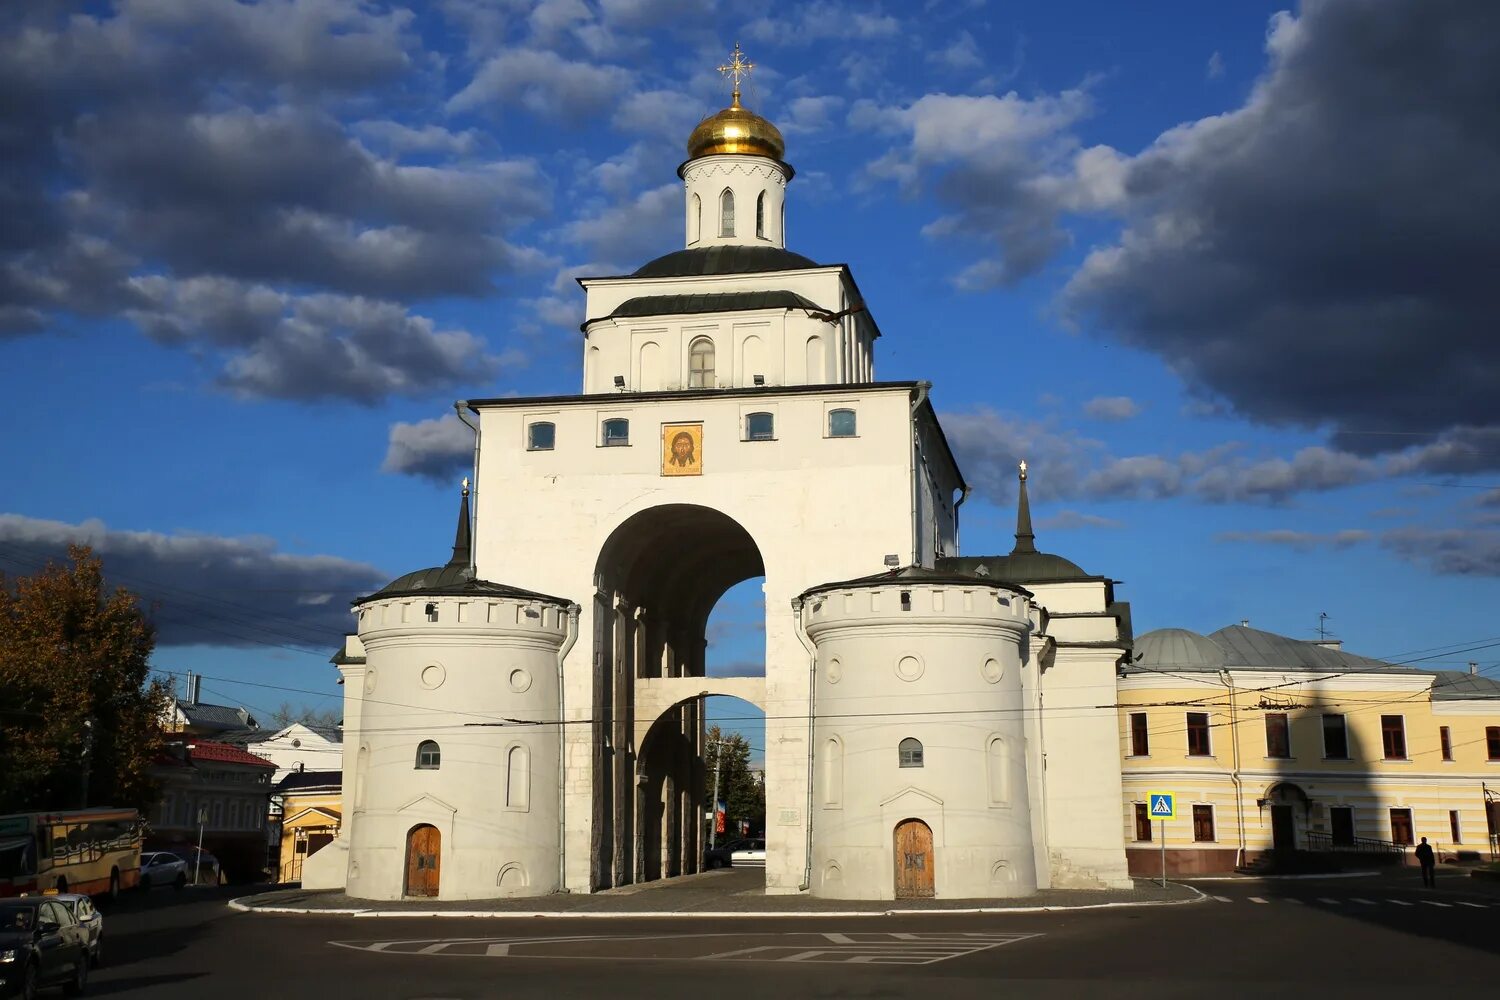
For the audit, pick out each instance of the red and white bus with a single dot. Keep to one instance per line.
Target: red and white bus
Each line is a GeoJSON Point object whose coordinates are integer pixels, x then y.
{"type": "Point", "coordinates": [94, 851]}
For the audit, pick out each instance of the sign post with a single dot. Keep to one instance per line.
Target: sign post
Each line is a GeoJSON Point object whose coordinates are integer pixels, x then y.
{"type": "Point", "coordinates": [1163, 806]}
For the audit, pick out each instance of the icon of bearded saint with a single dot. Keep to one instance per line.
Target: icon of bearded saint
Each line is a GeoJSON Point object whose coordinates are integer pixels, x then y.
{"type": "Point", "coordinates": [680, 457]}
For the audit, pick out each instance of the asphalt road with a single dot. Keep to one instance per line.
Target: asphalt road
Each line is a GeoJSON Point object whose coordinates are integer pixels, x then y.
{"type": "Point", "coordinates": [1370, 937]}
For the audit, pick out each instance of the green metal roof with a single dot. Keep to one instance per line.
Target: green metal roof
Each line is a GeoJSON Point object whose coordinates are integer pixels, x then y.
{"type": "Point", "coordinates": [678, 305]}
{"type": "Point", "coordinates": [731, 259]}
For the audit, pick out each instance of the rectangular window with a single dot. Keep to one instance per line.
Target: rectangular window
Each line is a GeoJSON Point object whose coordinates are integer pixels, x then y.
{"type": "Point", "coordinates": [1455, 828]}
{"type": "Point", "coordinates": [1335, 738]}
{"type": "Point", "coordinates": [760, 427]}
{"type": "Point", "coordinates": [1445, 740]}
{"type": "Point", "coordinates": [1140, 743]}
{"type": "Point", "coordinates": [1142, 823]}
{"type": "Point", "coordinates": [1341, 819]}
{"type": "Point", "coordinates": [1197, 734]}
{"type": "Point", "coordinates": [541, 436]}
{"type": "Point", "coordinates": [1203, 824]}
{"type": "Point", "coordinates": [1492, 741]}
{"type": "Point", "coordinates": [1393, 736]}
{"type": "Point", "coordinates": [841, 423]}
{"type": "Point", "coordinates": [1278, 736]}
{"type": "Point", "coordinates": [1401, 827]}
{"type": "Point", "coordinates": [616, 433]}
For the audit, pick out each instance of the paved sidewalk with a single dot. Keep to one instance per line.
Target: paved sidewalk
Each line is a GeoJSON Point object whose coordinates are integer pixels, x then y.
{"type": "Point", "coordinates": [728, 892]}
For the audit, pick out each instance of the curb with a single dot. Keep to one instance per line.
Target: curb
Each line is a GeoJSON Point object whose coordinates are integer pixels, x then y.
{"type": "Point", "coordinates": [243, 907]}
{"type": "Point", "coordinates": [1275, 878]}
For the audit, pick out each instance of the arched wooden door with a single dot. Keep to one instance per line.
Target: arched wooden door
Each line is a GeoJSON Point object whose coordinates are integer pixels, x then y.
{"type": "Point", "coordinates": [914, 860]}
{"type": "Point", "coordinates": [423, 849]}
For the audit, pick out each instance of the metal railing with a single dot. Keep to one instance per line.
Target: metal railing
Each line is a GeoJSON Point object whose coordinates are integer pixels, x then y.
{"type": "Point", "coordinates": [1323, 842]}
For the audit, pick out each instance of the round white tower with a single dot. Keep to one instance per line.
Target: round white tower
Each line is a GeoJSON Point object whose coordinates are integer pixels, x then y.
{"type": "Point", "coordinates": [452, 766]}
{"type": "Point", "coordinates": [920, 784]}
{"type": "Point", "coordinates": [734, 177]}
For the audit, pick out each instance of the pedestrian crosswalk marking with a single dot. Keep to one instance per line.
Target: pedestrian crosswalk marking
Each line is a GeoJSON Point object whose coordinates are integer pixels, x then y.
{"type": "Point", "coordinates": [1256, 899]}
{"type": "Point", "coordinates": [1433, 902]}
{"type": "Point", "coordinates": [1364, 902]}
{"type": "Point", "coordinates": [1224, 899]}
{"type": "Point", "coordinates": [1398, 902]}
{"type": "Point", "coordinates": [1477, 906]}
{"type": "Point", "coordinates": [1330, 902]}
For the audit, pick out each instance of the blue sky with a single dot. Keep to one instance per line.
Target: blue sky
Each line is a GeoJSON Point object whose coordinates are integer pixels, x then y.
{"type": "Point", "coordinates": [1217, 271]}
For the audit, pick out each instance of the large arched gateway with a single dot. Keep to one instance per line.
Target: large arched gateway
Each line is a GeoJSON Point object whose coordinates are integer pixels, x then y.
{"type": "Point", "coordinates": [657, 578]}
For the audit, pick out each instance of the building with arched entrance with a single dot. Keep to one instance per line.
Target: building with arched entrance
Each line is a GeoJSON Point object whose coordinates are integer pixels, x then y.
{"type": "Point", "coordinates": [731, 427]}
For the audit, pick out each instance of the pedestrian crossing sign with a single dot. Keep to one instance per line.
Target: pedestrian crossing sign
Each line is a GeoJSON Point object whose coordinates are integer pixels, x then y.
{"type": "Point", "coordinates": [1163, 805]}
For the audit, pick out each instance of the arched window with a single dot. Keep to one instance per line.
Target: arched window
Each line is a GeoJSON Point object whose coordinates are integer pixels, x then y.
{"type": "Point", "coordinates": [833, 771]}
{"type": "Point", "coordinates": [701, 363]}
{"type": "Point", "coordinates": [911, 752]}
{"type": "Point", "coordinates": [726, 213]}
{"type": "Point", "coordinates": [616, 433]}
{"type": "Point", "coordinates": [760, 216]}
{"type": "Point", "coordinates": [760, 427]}
{"type": "Point", "coordinates": [518, 778]}
{"type": "Point", "coordinates": [429, 757]}
{"type": "Point", "coordinates": [541, 436]}
{"type": "Point", "coordinates": [841, 424]}
{"type": "Point", "coordinates": [999, 766]}
{"type": "Point", "coordinates": [695, 219]}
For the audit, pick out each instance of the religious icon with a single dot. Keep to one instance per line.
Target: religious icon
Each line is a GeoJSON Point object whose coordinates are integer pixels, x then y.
{"type": "Point", "coordinates": [682, 449]}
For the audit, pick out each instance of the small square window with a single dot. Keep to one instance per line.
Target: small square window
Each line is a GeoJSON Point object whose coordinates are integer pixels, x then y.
{"type": "Point", "coordinates": [541, 436]}
{"type": "Point", "coordinates": [616, 433]}
{"type": "Point", "coordinates": [841, 423]}
{"type": "Point", "coordinates": [760, 427]}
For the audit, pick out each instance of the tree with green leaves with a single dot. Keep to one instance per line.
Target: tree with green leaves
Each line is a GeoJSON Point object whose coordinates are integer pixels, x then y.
{"type": "Point", "coordinates": [79, 714]}
{"type": "Point", "coordinates": [740, 788]}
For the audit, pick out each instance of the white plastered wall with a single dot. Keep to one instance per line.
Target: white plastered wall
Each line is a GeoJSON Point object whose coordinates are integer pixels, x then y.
{"type": "Point", "coordinates": [818, 508]}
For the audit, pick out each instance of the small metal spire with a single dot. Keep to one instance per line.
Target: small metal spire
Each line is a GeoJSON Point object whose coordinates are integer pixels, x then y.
{"type": "Point", "coordinates": [1025, 538]}
{"type": "Point", "coordinates": [462, 548]}
{"type": "Point", "coordinates": [736, 69]}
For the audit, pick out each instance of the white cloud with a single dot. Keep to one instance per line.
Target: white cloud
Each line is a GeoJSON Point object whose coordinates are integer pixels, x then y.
{"type": "Point", "coordinates": [440, 450]}
{"type": "Point", "coordinates": [543, 83]}
{"type": "Point", "coordinates": [1112, 408]}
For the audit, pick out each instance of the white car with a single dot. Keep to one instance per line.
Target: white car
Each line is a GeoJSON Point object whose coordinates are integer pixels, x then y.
{"type": "Point", "coordinates": [750, 854]}
{"type": "Point", "coordinates": [162, 868]}
{"type": "Point", "coordinates": [90, 919]}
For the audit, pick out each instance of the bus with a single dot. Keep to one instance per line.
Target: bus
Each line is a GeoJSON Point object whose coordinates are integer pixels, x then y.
{"type": "Point", "coordinates": [93, 851]}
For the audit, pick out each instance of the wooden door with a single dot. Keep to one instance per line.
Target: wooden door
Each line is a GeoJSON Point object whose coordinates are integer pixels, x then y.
{"type": "Point", "coordinates": [422, 853]}
{"type": "Point", "coordinates": [914, 861]}
{"type": "Point", "coordinates": [1283, 830]}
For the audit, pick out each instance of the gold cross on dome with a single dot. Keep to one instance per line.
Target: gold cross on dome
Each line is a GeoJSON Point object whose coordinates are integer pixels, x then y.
{"type": "Point", "coordinates": [737, 69]}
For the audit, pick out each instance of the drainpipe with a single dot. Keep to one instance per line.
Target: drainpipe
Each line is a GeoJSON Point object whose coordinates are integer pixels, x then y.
{"type": "Point", "coordinates": [967, 489]}
{"type": "Point", "coordinates": [916, 452]}
{"type": "Point", "coordinates": [812, 687]}
{"type": "Point", "coordinates": [1227, 680]}
{"type": "Point", "coordinates": [562, 751]}
{"type": "Point", "coordinates": [459, 407]}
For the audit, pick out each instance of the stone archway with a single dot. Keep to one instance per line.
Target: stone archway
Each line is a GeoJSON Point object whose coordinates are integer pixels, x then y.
{"type": "Point", "coordinates": [658, 577]}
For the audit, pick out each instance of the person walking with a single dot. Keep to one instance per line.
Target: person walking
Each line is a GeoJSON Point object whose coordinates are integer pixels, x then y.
{"type": "Point", "coordinates": [1428, 863]}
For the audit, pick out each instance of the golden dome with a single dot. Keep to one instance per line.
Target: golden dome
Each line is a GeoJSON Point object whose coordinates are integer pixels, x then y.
{"type": "Point", "coordinates": [736, 130]}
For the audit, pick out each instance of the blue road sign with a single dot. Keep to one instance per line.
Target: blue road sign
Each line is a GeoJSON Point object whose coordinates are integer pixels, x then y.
{"type": "Point", "coordinates": [1163, 805]}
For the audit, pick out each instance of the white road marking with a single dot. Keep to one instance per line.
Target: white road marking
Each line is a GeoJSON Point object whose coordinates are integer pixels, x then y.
{"type": "Point", "coordinates": [1399, 902]}
{"type": "Point", "coordinates": [839, 938]}
{"type": "Point", "coordinates": [1330, 902]}
{"type": "Point", "coordinates": [1256, 899]}
{"type": "Point", "coordinates": [1298, 902]}
{"type": "Point", "coordinates": [1223, 899]}
{"type": "Point", "coordinates": [1433, 902]}
{"type": "Point", "coordinates": [1363, 902]}
{"type": "Point", "coordinates": [1477, 906]}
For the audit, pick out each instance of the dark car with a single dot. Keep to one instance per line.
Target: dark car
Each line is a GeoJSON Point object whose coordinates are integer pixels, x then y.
{"type": "Point", "coordinates": [90, 919]}
{"type": "Point", "coordinates": [718, 856]}
{"type": "Point", "coordinates": [41, 944]}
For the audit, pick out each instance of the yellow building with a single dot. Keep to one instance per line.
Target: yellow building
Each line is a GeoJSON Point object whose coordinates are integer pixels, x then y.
{"type": "Point", "coordinates": [310, 818]}
{"type": "Point", "coordinates": [1279, 748]}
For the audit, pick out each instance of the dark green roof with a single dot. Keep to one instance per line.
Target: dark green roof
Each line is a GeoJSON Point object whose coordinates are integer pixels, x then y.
{"type": "Point", "coordinates": [451, 581]}
{"type": "Point", "coordinates": [1019, 567]}
{"type": "Point", "coordinates": [678, 305]}
{"type": "Point", "coordinates": [724, 260]}
{"type": "Point", "coordinates": [918, 574]}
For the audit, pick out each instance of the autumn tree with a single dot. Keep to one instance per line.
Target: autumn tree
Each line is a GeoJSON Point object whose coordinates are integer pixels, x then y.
{"type": "Point", "coordinates": [79, 714]}
{"type": "Point", "coordinates": [741, 790]}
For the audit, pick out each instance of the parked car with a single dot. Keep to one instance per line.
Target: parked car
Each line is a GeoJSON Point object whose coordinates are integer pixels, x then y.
{"type": "Point", "coordinates": [206, 870]}
{"type": "Point", "coordinates": [90, 919]}
{"type": "Point", "coordinates": [718, 856]}
{"type": "Point", "coordinates": [162, 868]}
{"type": "Point", "coordinates": [41, 944]}
{"type": "Point", "coordinates": [750, 854]}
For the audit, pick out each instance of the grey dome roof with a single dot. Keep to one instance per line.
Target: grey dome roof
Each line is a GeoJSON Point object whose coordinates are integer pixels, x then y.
{"type": "Point", "coordinates": [729, 259]}
{"type": "Point", "coordinates": [451, 580]}
{"type": "Point", "coordinates": [1177, 649]}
